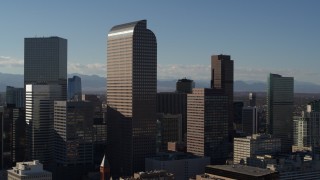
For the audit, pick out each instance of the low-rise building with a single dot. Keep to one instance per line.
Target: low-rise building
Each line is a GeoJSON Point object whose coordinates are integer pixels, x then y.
{"type": "Point", "coordinates": [290, 166]}
{"type": "Point", "coordinates": [32, 170]}
{"type": "Point", "coordinates": [182, 165]}
{"type": "Point", "coordinates": [151, 175]}
{"type": "Point", "coordinates": [241, 172]}
{"type": "Point", "coordinates": [246, 147]}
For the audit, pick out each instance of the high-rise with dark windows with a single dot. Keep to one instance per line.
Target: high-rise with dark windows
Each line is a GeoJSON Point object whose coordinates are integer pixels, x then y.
{"type": "Point", "coordinates": [280, 110]}
{"type": "Point", "coordinates": [207, 133]}
{"type": "Point", "coordinates": [184, 85]}
{"type": "Point", "coordinates": [45, 62]}
{"type": "Point", "coordinates": [45, 79]}
{"type": "Point", "coordinates": [73, 125]}
{"type": "Point", "coordinates": [131, 96]}
{"type": "Point", "coordinates": [222, 78]}
{"type": "Point", "coordinates": [15, 97]}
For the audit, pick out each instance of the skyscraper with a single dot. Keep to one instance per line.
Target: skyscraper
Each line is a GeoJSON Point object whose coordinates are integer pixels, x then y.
{"type": "Point", "coordinates": [280, 109]}
{"type": "Point", "coordinates": [45, 79]}
{"type": "Point", "coordinates": [250, 120]}
{"type": "Point", "coordinates": [131, 96]}
{"type": "Point", "coordinates": [306, 129]}
{"type": "Point", "coordinates": [208, 124]}
{"type": "Point", "coordinates": [74, 88]}
{"type": "Point", "coordinates": [45, 62]}
{"type": "Point", "coordinates": [185, 85]}
{"type": "Point", "coordinates": [12, 136]}
{"type": "Point", "coordinates": [39, 119]}
{"type": "Point", "coordinates": [73, 125]}
{"type": "Point", "coordinates": [222, 78]}
{"type": "Point", "coordinates": [174, 103]}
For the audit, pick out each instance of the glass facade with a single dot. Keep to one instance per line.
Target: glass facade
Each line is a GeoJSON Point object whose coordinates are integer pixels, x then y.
{"type": "Point", "coordinates": [74, 88]}
{"type": "Point", "coordinates": [73, 126]}
{"type": "Point", "coordinates": [280, 109]}
{"type": "Point", "coordinates": [45, 61]}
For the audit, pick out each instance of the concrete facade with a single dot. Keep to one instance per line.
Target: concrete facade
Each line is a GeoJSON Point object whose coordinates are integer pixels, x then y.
{"type": "Point", "coordinates": [32, 170]}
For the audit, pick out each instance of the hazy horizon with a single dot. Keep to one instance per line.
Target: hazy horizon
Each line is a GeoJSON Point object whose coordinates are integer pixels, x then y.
{"type": "Point", "coordinates": [262, 37]}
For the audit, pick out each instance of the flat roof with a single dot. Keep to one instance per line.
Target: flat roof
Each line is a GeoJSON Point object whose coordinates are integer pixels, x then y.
{"type": "Point", "coordinates": [242, 169]}
{"type": "Point", "coordinates": [171, 156]}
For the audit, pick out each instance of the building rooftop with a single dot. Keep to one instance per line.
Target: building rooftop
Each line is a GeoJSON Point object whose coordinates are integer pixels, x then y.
{"type": "Point", "coordinates": [28, 168]}
{"type": "Point", "coordinates": [211, 177]}
{"type": "Point", "coordinates": [185, 80]}
{"type": "Point", "coordinates": [242, 169]}
{"type": "Point", "coordinates": [126, 28]}
{"type": "Point", "coordinates": [154, 173]}
{"type": "Point", "coordinates": [257, 137]}
{"type": "Point", "coordinates": [171, 156]}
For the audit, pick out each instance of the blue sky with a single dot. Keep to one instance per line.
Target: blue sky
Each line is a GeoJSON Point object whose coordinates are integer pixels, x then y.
{"type": "Point", "coordinates": [261, 36]}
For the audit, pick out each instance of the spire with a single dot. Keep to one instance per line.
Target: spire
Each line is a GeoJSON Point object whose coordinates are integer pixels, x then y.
{"type": "Point", "coordinates": [104, 162]}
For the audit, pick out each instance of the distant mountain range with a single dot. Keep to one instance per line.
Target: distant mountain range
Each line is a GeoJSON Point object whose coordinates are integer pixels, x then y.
{"type": "Point", "coordinates": [97, 84]}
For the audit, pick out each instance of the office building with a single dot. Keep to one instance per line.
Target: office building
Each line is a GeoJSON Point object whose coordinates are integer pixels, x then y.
{"type": "Point", "coordinates": [131, 96]}
{"type": "Point", "coordinates": [39, 120]}
{"type": "Point", "coordinates": [12, 136]}
{"type": "Point", "coordinates": [5, 136]}
{"type": "Point", "coordinates": [174, 103]}
{"type": "Point", "coordinates": [182, 165]}
{"type": "Point", "coordinates": [185, 85]}
{"type": "Point", "coordinates": [280, 109]}
{"type": "Point", "coordinates": [252, 99]}
{"type": "Point", "coordinates": [98, 111]}
{"type": "Point", "coordinates": [2, 98]}
{"type": "Point", "coordinates": [74, 88]}
{"type": "Point", "coordinates": [290, 166]}
{"type": "Point", "coordinates": [237, 115]}
{"type": "Point", "coordinates": [45, 80]}
{"type": "Point", "coordinates": [169, 129]}
{"type": "Point", "coordinates": [18, 137]}
{"type": "Point", "coordinates": [19, 134]}
{"type": "Point", "coordinates": [15, 97]}
{"type": "Point", "coordinates": [30, 170]}
{"type": "Point", "coordinates": [73, 125]}
{"type": "Point", "coordinates": [302, 131]}
{"type": "Point", "coordinates": [306, 130]}
{"type": "Point", "coordinates": [314, 106]}
{"type": "Point", "coordinates": [250, 120]}
{"type": "Point", "coordinates": [45, 62]}
{"type": "Point", "coordinates": [208, 124]}
{"type": "Point", "coordinates": [222, 78]}
{"type": "Point", "coordinates": [254, 145]}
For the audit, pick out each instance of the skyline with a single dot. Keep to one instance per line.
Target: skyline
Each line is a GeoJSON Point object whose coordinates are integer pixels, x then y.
{"type": "Point", "coordinates": [262, 37]}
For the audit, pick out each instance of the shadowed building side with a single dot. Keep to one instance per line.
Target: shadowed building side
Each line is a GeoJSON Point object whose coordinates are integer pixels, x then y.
{"type": "Point", "coordinates": [280, 109]}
